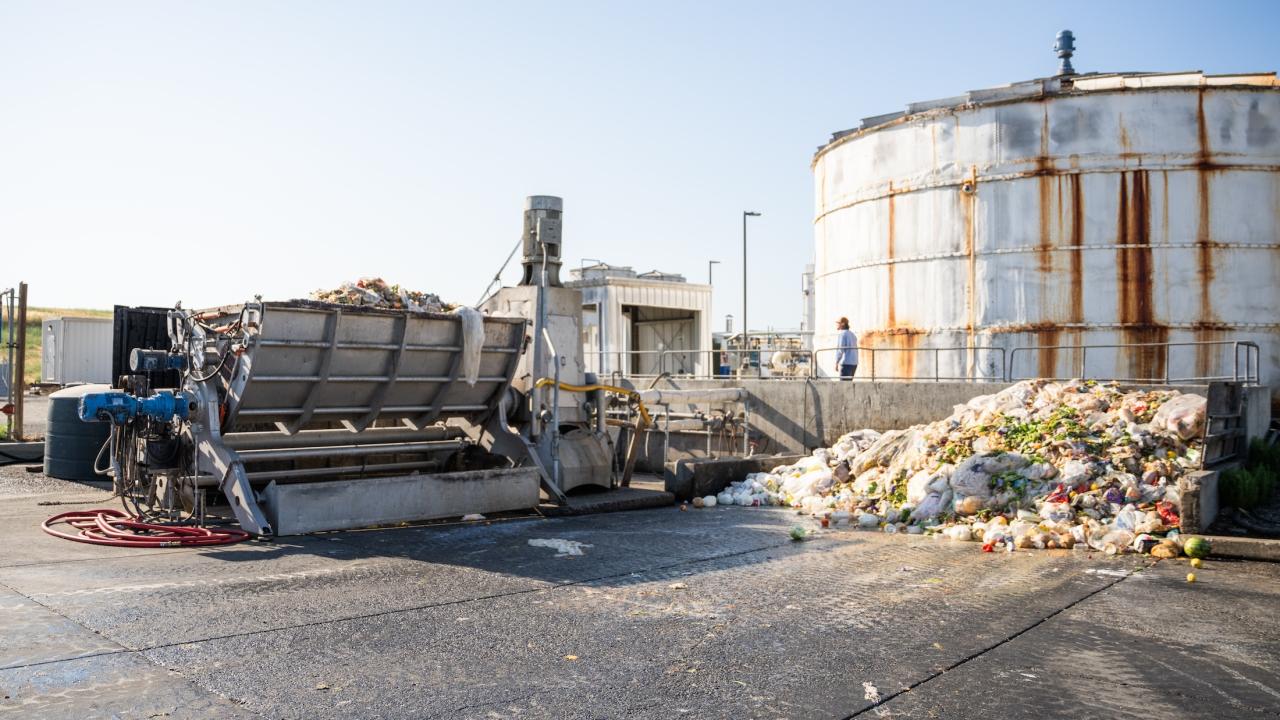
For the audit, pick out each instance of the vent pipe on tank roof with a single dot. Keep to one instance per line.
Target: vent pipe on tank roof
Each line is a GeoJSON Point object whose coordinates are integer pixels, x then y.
{"type": "Point", "coordinates": [1065, 47]}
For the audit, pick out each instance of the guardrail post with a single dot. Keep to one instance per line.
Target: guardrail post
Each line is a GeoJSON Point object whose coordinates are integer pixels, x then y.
{"type": "Point", "coordinates": [1166, 364]}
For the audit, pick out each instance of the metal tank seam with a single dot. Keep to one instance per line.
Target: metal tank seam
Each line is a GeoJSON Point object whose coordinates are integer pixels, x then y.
{"type": "Point", "coordinates": [957, 184]}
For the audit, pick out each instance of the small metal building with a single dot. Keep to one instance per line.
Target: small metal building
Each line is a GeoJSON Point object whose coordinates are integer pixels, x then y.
{"type": "Point", "coordinates": [643, 324]}
{"type": "Point", "coordinates": [76, 349]}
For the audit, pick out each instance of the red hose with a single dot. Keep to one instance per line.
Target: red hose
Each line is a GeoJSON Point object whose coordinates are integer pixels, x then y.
{"type": "Point", "coordinates": [114, 528]}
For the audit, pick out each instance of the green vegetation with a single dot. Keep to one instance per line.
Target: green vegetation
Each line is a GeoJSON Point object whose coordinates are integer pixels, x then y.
{"type": "Point", "coordinates": [1010, 481]}
{"type": "Point", "coordinates": [1255, 483]}
{"type": "Point", "coordinates": [1028, 437]}
{"type": "Point", "coordinates": [1262, 455]}
{"type": "Point", "coordinates": [954, 453]}
{"type": "Point", "coordinates": [35, 336]}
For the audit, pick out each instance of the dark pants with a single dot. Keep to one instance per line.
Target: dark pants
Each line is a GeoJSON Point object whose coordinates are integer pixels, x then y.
{"type": "Point", "coordinates": [847, 371]}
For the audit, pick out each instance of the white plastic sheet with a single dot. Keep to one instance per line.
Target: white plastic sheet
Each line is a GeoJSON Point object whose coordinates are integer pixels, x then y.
{"type": "Point", "coordinates": [472, 342]}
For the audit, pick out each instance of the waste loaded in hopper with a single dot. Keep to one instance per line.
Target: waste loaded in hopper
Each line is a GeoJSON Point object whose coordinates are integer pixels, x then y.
{"type": "Point", "coordinates": [314, 415]}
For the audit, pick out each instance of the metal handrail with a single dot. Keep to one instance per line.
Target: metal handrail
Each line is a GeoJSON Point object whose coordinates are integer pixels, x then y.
{"type": "Point", "coordinates": [1245, 360]}
{"type": "Point", "coordinates": [937, 353]}
{"type": "Point", "coordinates": [620, 356]}
{"type": "Point", "coordinates": [1252, 360]}
{"type": "Point", "coordinates": [712, 365]}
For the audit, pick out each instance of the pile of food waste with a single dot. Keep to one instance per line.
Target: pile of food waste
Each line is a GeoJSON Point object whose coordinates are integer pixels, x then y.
{"type": "Point", "coordinates": [1040, 464]}
{"type": "Point", "coordinates": [376, 292]}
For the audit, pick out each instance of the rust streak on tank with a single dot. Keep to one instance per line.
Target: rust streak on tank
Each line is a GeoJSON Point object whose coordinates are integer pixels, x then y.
{"type": "Point", "coordinates": [1044, 250]}
{"type": "Point", "coordinates": [900, 347]}
{"type": "Point", "coordinates": [1204, 271]}
{"type": "Point", "coordinates": [908, 342]}
{"type": "Point", "coordinates": [1077, 250]}
{"type": "Point", "coordinates": [1205, 354]}
{"type": "Point", "coordinates": [1134, 269]}
{"type": "Point", "coordinates": [1075, 314]}
{"type": "Point", "coordinates": [1044, 169]}
{"type": "Point", "coordinates": [1048, 363]}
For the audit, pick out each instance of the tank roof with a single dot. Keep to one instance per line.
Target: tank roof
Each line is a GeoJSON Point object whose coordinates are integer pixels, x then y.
{"type": "Point", "coordinates": [1062, 85]}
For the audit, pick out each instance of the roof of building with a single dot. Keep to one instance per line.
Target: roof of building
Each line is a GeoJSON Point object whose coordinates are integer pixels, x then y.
{"type": "Point", "coordinates": [602, 272]}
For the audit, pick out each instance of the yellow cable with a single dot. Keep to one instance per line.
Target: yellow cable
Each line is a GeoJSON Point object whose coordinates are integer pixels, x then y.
{"type": "Point", "coordinates": [631, 394]}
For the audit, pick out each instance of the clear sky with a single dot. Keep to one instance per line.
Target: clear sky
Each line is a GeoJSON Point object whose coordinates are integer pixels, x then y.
{"type": "Point", "coordinates": [209, 151]}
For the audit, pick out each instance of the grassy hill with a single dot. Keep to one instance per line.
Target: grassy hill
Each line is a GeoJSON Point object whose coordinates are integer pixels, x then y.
{"type": "Point", "coordinates": [35, 320]}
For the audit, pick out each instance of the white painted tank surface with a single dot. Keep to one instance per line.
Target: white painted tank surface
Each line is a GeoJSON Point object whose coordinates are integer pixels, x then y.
{"type": "Point", "coordinates": [1087, 210]}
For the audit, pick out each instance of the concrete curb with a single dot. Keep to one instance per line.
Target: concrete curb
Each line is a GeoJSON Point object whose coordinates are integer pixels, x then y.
{"type": "Point", "coordinates": [618, 500]}
{"type": "Point", "coordinates": [686, 479]}
{"type": "Point", "coordinates": [25, 451]}
{"type": "Point", "coordinates": [1244, 548]}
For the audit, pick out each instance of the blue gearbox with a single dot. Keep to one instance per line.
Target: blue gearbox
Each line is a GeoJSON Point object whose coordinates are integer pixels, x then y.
{"type": "Point", "coordinates": [120, 407]}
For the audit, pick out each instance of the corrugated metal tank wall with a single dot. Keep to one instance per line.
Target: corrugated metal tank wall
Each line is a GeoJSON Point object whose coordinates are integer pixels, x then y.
{"type": "Point", "coordinates": [1147, 214]}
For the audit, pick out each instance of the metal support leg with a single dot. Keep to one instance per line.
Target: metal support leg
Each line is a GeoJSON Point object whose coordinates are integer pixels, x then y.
{"type": "Point", "coordinates": [213, 457]}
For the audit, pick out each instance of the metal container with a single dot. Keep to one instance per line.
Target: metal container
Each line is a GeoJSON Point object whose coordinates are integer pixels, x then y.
{"type": "Point", "coordinates": [1097, 210]}
{"type": "Point", "coordinates": [70, 444]}
{"type": "Point", "coordinates": [311, 365]}
{"type": "Point", "coordinates": [76, 349]}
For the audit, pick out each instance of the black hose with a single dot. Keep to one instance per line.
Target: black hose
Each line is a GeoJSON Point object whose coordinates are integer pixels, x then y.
{"type": "Point", "coordinates": [221, 363]}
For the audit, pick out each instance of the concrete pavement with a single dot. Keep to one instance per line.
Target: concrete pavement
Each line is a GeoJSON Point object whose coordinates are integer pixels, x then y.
{"type": "Point", "coordinates": [704, 613]}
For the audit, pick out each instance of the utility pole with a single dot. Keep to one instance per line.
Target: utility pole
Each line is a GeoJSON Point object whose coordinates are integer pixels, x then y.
{"type": "Point", "coordinates": [746, 344]}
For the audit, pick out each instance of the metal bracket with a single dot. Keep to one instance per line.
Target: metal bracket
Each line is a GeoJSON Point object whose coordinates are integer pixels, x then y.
{"type": "Point", "coordinates": [393, 374]}
{"type": "Point", "coordinates": [223, 463]}
{"type": "Point", "coordinates": [501, 439]}
{"type": "Point", "coordinates": [309, 406]}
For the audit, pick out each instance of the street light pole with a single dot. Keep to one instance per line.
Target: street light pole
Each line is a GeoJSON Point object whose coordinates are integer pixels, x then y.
{"type": "Point", "coordinates": [710, 265]}
{"type": "Point", "coordinates": [746, 346]}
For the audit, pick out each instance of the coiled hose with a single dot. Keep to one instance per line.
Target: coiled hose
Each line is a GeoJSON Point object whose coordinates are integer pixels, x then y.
{"type": "Point", "coordinates": [117, 529]}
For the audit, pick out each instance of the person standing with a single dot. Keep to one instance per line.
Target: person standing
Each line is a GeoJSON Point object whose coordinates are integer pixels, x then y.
{"type": "Point", "coordinates": [846, 350]}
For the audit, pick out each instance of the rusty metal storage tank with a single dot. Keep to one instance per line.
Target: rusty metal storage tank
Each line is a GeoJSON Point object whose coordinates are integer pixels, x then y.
{"type": "Point", "coordinates": [1100, 209]}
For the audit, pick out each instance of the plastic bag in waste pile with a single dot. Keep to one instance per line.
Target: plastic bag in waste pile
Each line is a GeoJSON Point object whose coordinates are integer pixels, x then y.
{"type": "Point", "coordinates": [1183, 415]}
{"type": "Point", "coordinates": [375, 292]}
{"type": "Point", "coordinates": [1039, 464]}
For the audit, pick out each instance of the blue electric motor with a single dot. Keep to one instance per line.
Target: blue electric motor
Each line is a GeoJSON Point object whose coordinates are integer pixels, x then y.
{"type": "Point", "coordinates": [119, 408]}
